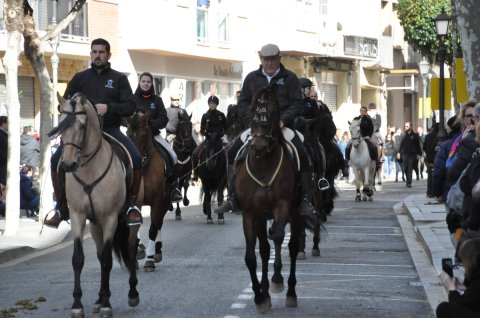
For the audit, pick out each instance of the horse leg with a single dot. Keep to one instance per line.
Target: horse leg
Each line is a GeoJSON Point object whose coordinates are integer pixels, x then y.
{"type": "Point", "coordinates": [302, 238]}
{"type": "Point", "coordinates": [251, 262]}
{"type": "Point", "coordinates": [178, 213]}
{"type": "Point", "coordinates": [133, 297]}
{"type": "Point", "coordinates": [316, 241]}
{"type": "Point", "coordinates": [105, 257]}
{"type": "Point", "coordinates": [264, 249]}
{"type": "Point", "coordinates": [278, 228]}
{"type": "Point", "coordinates": [221, 218]}
{"type": "Point", "coordinates": [296, 228]}
{"type": "Point", "coordinates": [78, 260]}
{"type": "Point", "coordinates": [207, 205]}
{"type": "Point", "coordinates": [186, 184]}
{"type": "Point", "coordinates": [154, 247]}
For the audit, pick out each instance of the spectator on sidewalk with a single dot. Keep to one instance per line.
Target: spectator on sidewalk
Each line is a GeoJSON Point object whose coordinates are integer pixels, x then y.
{"type": "Point", "coordinates": [441, 185]}
{"type": "Point", "coordinates": [466, 304]}
{"type": "Point", "coordinates": [28, 199]}
{"type": "Point", "coordinates": [409, 151]}
{"type": "Point", "coordinates": [29, 148]}
{"type": "Point", "coordinates": [397, 140]}
{"type": "Point", "coordinates": [388, 153]}
{"type": "Point", "coordinates": [3, 149]}
{"type": "Point", "coordinates": [429, 148]}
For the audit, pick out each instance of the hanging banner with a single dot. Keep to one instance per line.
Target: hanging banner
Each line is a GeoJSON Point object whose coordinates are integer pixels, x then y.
{"type": "Point", "coordinates": [461, 82]}
{"type": "Point", "coordinates": [435, 93]}
{"type": "Point", "coordinates": [428, 108]}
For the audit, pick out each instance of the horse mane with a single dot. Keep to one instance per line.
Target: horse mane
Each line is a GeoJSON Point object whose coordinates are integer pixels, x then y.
{"type": "Point", "coordinates": [265, 112]}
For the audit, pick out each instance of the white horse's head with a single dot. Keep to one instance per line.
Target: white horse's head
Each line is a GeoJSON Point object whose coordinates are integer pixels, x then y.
{"type": "Point", "coordinates": [355, 132]}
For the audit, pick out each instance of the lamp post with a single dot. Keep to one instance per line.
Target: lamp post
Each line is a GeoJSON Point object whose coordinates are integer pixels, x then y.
{"type": "Point", "coordinates": [55, 60]}
{"type": "Point", "coordinates": [424, 67]}
{"type": "Point", "coordinates": [441, 25]}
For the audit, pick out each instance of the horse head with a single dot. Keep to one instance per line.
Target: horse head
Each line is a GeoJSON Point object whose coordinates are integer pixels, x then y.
{"type": "Point", "coordinates": [183, 139]}
{"type": "Point", "coordinates": [265, 118]}
{"type": "Point", "coordinates": [213, 145]}
{"type": "Point", "coordinates": [139, 130]}
{"type": "Point", "coordinates": [78, 125]}
{"type": "Point", "coordinates": [355, 132]}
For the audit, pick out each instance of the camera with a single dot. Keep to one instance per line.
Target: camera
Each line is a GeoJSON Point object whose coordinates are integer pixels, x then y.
{"type": "Point", "coordinates": [447, 266]}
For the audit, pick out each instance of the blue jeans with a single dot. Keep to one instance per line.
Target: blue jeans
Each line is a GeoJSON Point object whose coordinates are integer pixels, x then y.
{"type": "Point", "coordinates": [388, 165]}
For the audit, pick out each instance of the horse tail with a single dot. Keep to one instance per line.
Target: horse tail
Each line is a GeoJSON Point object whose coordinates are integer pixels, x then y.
{"type": "Point", "coordinates": [120, 242]}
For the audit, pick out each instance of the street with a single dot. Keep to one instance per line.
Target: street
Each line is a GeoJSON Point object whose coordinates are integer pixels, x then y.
{"type": "Point", "coordinates": [365, 269]}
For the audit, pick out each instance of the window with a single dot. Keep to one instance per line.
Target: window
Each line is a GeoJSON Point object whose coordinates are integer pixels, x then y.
{"type": "Point", "coordinates": [78, 27]}
{"type": "Point", "coordinates": [223, 28]}
{"type": "Point", "coordinates": [202, 20]}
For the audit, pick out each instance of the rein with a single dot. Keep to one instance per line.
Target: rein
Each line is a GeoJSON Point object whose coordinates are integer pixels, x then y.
{"type": "Point", "coordinates": [88, 188]}
{"type": "Point", "coordinates": [269, 183]}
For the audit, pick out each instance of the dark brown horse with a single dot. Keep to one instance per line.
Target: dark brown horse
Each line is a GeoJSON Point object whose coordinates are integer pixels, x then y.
{"type": "Point", "coordinates": [212, 170]}
{"type": "Point", "coordinates": [266, 188]}
{"type": "Point", "coordinates": [96, 190]}
{"type": "Point", "coordinates": [183, 145]}
{"type": "Point", "coordinates": [156, 191]}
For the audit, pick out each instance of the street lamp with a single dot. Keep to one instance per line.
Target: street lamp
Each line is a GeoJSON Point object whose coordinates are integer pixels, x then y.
{"type": "Point", "coordinates": [424, 68]}
{"type": "Point", "coordinates": [55, 60]}
{"type": "Point", "coordinates": [441, 25]}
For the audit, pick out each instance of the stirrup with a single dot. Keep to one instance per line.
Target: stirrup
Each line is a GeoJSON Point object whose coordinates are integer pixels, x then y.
{"type": "Point", "coordinates": [54, 221]}
{"type": "Point", "coordinates": [324, 187]}
{"type": "Point", "coordinates": [176, 195]}
{"type": "Point", "coordinates": [134, 216]}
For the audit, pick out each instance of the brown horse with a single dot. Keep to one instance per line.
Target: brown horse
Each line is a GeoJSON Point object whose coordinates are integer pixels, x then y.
{"type": "Point", "coordinates": [96, 190]}
{"type": "Point", "coordinates": [183, 145]}
{"type": "Point", "coordinates": [266, 189]}
{"type": "Point", "coordinates": [156, 191]}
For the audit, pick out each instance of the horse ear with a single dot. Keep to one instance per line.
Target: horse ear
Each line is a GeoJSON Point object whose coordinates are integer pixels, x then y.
{"type": "Point", "coordinates": [60, 99]}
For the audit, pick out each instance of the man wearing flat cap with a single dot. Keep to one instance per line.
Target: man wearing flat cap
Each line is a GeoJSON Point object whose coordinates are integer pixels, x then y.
{"type": "Point", "coordinates": [291, 104]}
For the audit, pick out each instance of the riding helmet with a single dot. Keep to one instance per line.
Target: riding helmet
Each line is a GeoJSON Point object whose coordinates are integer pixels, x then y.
{"type": "Point", "coordinates": [305, 82]}
{"type": "Point", "coordinates": [213, 99]}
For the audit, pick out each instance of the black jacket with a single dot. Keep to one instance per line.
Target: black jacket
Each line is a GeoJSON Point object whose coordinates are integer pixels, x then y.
{"type": "Point", "coordinates": [366, 125]}
{"type": "Point", "coordinates": [155, 109]}
{"type": "Point", "coordinates": [470, 298]}
{"type": "Point", "coordinates": [109, 87]}
{"type": "Point", "coordinates": [471, 209]}
{"type": "Point", "coordinates": [213, 121]}
{"type": "Point", "coordinates": [463, 156]}
{"type": "Point", "coordinates": [429, 147]}
{"type": "Point", "coordinates": [290, 97]}
{"type": "Point", "coordinates": [410, 144]}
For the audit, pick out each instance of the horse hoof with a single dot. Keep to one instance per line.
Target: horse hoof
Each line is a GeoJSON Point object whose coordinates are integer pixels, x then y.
{"type": "Point", "coordinates": [364, 198]}
{"type": "Point", "coordinates": [358, 199]}
{"type": "Point", "coordinates": [277, 287]}
{"type": "Point", "coordinates": [221, 221]}
{"type": "Point", "coordinates": [263, 307]}
{"type": "Point", "coordinates": [106, 312]}
{"type": "Point", "coordinates": [96, 308]}
{"type": "Point", "coordinates": [209, 221]}
{"type": "Point", "coordinates": [379, 182]}
{"type": "Point", "coordinates": [178, 217]}
{"type": "Point", "coordinates": [133, 302]}
{"type": "Point", "coordinates": [186, 202]}
{"type": "Point", "coordinates": [157, 257]}
{"type": "Point", "coordinates": [315, 252]}
{"type": "Point", "coordinates": [77, 313]}
{"type": "Point", "coordinates": [149, 266]}
{"type": "Point", "coordinates": [291, 301]}
{"type": "Point", "coordinates": [301, 255]}
{"type": "Point", "coordinates": [141, 254]}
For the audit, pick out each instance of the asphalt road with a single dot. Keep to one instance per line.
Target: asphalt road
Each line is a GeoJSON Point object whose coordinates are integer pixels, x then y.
{"type": "Point", "coordinates": [365, 270]}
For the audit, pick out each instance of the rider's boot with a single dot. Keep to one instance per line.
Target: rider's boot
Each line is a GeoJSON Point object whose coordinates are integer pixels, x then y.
{"type": "Point", "coordinates": [176, 194]}
{"type": "Point", "coordinates": [134, 216]}
{"type": "Point", "coordinates": [60, 211]}
{"type": "Point", "coordinates": [231, 203]}
{"type": "Point", "coordinates": [306, 208]}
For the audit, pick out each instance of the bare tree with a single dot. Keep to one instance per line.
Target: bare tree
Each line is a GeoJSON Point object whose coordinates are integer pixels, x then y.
{"type": "Point", "coordinates": [20, 22]}
{"type": "Point", "coordinates": [468, 12]}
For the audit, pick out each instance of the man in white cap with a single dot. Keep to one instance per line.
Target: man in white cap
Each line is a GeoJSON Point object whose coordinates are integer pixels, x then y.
{"type": "Point", "coordinates": [172, 112]}
{"type": "Point", "coordinates": [291, 105]}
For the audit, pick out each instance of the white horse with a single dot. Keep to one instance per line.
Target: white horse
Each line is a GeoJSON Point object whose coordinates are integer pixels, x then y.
{"type": "Point", "coordinates": [363, 166]}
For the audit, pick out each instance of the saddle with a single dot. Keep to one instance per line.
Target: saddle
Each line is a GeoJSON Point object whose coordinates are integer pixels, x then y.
{"type": "Point", "coordinates": [288, 134]}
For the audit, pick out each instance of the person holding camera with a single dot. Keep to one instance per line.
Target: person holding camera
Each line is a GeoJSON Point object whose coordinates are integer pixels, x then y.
{"type": "Point", "coordinates": [466, 304]}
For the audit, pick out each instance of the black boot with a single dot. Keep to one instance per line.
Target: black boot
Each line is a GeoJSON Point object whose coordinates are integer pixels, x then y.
{"type": "Point", "coordinates": [176, 194]}
{"type": "Point", "coordinates": [61, 211]}
{"type": "Point", "coordinates": [306, 207]}
{"type": "Point", "coordinates": [231, 203]}
{"type": "Point", "coordinates": [134, 214]}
